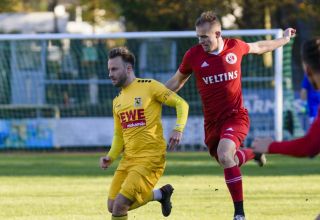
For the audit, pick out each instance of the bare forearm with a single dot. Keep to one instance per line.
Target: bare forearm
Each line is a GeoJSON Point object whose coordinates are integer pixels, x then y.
{"type": "Point", "coordinates": [173, 85]}
{"type": "Point", "coordinates": [177, 81]}
{"type": "Point", "coordinates": [264, 46]}
{"type": "Point", "coordinates": [270, 45]}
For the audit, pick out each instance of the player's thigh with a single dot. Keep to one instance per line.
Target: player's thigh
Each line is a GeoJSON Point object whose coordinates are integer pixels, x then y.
{"type": "Point", "coordinates": [138, 185]}
{"type": "Point", "coordinates": [117, 181]}
{"type": "Point", "coordinates": [236, 129]}
{"type": "Point", "coordinates": [212, 140]}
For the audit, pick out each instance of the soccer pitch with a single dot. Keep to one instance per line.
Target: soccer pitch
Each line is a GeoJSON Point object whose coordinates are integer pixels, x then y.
{"type": "Point", "coordinates": [65, 186]}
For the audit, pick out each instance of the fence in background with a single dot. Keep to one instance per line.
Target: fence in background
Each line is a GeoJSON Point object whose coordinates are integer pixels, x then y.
{"type": "Point", "coordinates": [54, 89]}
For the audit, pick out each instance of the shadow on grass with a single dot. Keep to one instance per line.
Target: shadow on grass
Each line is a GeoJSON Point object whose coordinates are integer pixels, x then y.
{"type": "Point", "coordinates": [180, 164]}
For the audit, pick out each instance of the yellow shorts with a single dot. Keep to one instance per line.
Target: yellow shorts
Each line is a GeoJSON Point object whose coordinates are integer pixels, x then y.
{"type": "Point", "coordinates": [135, 178]}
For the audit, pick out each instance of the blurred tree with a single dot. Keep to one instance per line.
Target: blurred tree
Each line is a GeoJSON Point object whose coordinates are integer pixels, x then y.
{"type": "Point", "coordinates": [181, 14]}
{"type": "Point", "coordinates": [23, 6]}
{"type": "Point", "coordinates": [52, 4]}
{"type": "Point", "coordinates": [284, 13]}
{"type": "Point", "coordinates": [97, 10]}
{"type": "Point", "coordinates": [168, 14]}
{"type": "Point", "coordinates": [7, 5]}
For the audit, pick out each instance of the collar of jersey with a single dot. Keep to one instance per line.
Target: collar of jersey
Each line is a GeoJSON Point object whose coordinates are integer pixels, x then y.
{"type": "Point", "coordinates": [128, 86]}
{"type": "Point", "coordinates": [219, 51]}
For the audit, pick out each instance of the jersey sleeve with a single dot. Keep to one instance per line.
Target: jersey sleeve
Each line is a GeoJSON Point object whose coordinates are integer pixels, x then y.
{"type": "Point", "coordinates": [243, 47]}
{"type": "Point", "coordinates": [307, 146]}
{"type": "Point", "coordinates": [117, 141]}
{"type": "Point", "coordinates": [170, 98]}
{"type": "Point", "coordinates": [185, 66]}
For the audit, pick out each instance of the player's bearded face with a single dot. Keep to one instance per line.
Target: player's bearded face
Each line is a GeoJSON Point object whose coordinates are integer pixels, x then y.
{"type": "Point", "coordinates": [207, 36]}
{"type": "Point", "coordinates": [117, 71]}
{"type": "Point", "coordinates": [121, 79]}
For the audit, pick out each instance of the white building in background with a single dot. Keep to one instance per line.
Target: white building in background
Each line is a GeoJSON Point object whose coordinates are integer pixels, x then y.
{"type": "Point", "coordinates": [35, 22]}
{"type": "Point", "coordinates": [86, 28]}
{"type": "Point", "coordinates": [57, 21]}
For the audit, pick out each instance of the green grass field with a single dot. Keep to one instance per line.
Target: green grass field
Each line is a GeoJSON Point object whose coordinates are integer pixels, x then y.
{"type": "Point", "coordinates": [57, 186]}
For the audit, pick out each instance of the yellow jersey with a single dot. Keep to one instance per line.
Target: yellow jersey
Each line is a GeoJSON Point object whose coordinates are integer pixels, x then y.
{"type": "Point", "coordinates": [137, 113]}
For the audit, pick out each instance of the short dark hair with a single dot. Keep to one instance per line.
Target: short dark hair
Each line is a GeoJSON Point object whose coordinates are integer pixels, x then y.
{"type": "Point", "coordinates": [124, 53]}
{"type": "Point", "coordinates": [311, 53]}
{"type": "Point", "coordinates": [207, 17]}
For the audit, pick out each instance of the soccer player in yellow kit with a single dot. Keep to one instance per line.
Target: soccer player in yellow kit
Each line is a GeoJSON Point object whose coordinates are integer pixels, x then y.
{"type": "Point", "coordinates": [138, 134]}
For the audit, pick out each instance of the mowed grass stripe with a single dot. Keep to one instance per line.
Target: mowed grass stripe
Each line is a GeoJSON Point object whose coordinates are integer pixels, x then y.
{"type": "Point", "coordinates": [71, 186]}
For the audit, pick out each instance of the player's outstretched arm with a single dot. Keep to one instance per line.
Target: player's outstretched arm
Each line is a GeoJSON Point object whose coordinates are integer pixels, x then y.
{"type": "Point", "coordinates": [182, 109]}
{"type": "Point", "coordinates": [306, 146]}
{"type": "Point", "coordinates": [177, 81]}
{"type": "Point", "coordinates": [261, 47]}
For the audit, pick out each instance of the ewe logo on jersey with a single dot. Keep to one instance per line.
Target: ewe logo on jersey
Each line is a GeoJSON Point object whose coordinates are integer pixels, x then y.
{"type": "Point", "coordinates": [222, 77]}
{"type": "Point", "coordinates": [133, 118]}
{"type": "Point", "coordinates": [231, 58]}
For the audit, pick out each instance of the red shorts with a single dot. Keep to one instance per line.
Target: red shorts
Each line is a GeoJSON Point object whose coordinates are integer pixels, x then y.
{"type": "Point", "coordinates": [234, 127]}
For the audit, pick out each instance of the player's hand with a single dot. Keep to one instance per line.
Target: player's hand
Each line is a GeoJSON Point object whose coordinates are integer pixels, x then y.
{"type": "Point", "coordinates": [261, 145]}
{"type": "Point", "coordinates": [289, 33]}
{"type": "Point", "coordinates": [105, 162]}
{"type": "Point", "coordinates": [175, 139]}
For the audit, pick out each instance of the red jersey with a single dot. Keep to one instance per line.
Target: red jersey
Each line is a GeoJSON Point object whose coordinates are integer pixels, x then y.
{"type": "Point", "coordinates": [218, 77]}
{"type": "Point", "coordinates": [307, 146]}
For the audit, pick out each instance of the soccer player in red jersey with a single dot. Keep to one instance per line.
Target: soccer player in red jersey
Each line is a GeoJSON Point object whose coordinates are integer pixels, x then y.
{"type": "Point", "coordinates": [216, 64]}
{"type": "Point", "coordinates": [309, 145]}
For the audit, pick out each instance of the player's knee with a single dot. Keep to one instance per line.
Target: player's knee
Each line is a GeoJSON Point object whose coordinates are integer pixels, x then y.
{"type": "Point", "coordinates": [110, 205]}
{"type": "Point", "coordinates": [225, 159]}
{"type": "Point", "coordinates": [119, 208]}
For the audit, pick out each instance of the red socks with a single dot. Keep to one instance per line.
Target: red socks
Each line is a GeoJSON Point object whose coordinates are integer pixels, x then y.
{"type": "Point", "coordinates": [233, 179]}
{"type": "Point", "coordinates": [244, 155]}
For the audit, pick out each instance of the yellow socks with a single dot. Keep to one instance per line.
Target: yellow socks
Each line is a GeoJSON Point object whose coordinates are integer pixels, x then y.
{"type": "Point", "coordinates": [119, 218]}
